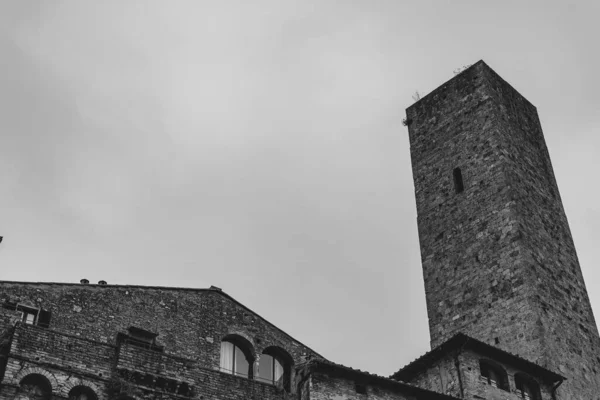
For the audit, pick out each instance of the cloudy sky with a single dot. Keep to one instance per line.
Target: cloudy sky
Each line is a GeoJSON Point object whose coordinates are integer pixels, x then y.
{"type": "Point", "coordinates": [258, 146]}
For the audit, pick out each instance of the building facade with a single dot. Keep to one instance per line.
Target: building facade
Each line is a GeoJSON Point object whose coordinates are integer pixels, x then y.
{"type": "Point", "coordinates": [508, 310]}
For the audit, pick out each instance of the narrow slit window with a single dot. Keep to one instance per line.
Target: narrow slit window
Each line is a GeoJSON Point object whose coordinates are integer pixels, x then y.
{"type": "Point", "coordinates": [458, 180]}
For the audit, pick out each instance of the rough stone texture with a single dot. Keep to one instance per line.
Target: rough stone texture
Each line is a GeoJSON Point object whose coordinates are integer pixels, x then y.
{"type": "Point", "coordinates": [443, 376]}
{"type": "Point", "coordinates": [498, 258]}
{"type": "Point", "coordinates": [324, 387]}
{"type": "Point", "coordinates": [84, 346]}
{"type": "Point", "coordinates": [321, 379]}
{"type": "Point", "coordinates": [478, 388]}
{"type": "Point", "coordinates": [81, 343]}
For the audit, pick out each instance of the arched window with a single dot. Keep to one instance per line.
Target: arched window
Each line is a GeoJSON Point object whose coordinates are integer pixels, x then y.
{"type": "Point", "coordinates": [493, 374]}
{"type": "Point", "coordinates": [82, 393]}
{"type": "Point", "coordinates": [275, 367]}
{"type": "Point", "coordinates": [35, 387]}
{"type": "Point", "coordinates": [236, 357]}
{"type": "Point", "coordinates": [527, 387]}
{"type": "Point", "coordinates": [270, 369]}
{"type": "Point", "coordinates": [458, 180]}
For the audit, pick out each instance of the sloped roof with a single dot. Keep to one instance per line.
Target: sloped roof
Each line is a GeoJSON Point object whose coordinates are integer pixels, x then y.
{"type": "Point", "coordinates": [373, 379]}
{"type": "Point", "coordinates": [461, 341]}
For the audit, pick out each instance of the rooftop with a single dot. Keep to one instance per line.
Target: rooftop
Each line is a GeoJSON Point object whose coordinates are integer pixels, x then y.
{"type": "Point", "coordinates": [461, 341]}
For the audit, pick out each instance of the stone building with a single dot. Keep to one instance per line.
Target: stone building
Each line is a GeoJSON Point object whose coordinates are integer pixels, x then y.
{"type": "Point", "coordinates": [508, 310]}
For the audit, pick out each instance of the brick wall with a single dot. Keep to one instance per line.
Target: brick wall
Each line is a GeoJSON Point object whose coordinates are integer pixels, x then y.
{"type": "Point", "coordinates": [470, 243]}
{"type": "Point", "coordinates": [498, 259]}
{"type": "Point", "coordinates": [51, 348]}
{"type": "Point", "coordinates": [134, 358]}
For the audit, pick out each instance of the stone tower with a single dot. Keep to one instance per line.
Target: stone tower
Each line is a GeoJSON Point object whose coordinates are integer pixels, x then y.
{"type": "Point", "coordinates": [498, 258]}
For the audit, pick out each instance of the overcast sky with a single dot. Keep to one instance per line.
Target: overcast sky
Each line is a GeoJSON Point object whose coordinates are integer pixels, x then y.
{"type": "Point", "coordinates": [258, 146]}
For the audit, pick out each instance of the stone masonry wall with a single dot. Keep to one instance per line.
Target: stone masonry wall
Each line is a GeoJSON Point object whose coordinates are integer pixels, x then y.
{"type": "Point", "coordinates": [81, 341]}
{"type": "Point", "coordinates": [441, 376]}
{"type": "Point", "coordinates": [569, 334]}
{"type": "Point", "coordinates": [477, 388]}
{"type": "Point", "coordinates": [470, 241]}
{"type": "Point", "coordinates": [68, 361]}
{"type": "Point", "coordinates": [325, 387]}
{"type": "Point", "coordinates": [498, 259]}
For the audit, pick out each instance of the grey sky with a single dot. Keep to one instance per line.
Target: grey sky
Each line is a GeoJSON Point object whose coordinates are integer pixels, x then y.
{"type": "Point", "coordinates": [258, 146]}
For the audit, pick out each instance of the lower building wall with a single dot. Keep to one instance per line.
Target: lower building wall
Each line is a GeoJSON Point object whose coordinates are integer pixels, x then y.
{"type": "Point", "coordinates": [66, 361]}
{"type": "Point", "coordinates": [208, 384]}
{"type": "Point", "coordinates": [325, 387]}
{"type": "Point", "coordinates": [441, 377]}
{"type": "Point", "coordinates": [477, 388]}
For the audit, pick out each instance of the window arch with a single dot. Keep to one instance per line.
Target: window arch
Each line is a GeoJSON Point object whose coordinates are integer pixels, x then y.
{"type": "Point", "coordinates": [527, 387]}
{"type": "Point", "coordinates": [236, 356]}
{"type": "Point", "coordinates": [82, 393]}
{"type": "Point", "coordinates": [275, 367]}
{"type": "Point", "coordinates": [35, 387]}
{"type": "Point", "coordinates": [493, 374]}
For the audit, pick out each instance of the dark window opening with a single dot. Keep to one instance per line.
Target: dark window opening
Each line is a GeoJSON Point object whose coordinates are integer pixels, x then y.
{"type": "Point", "coordinates": [493, 374]}
{"type": "Point", "coordinates": [458, 180]}
{"type": "Point", "coordinates": [527, 388]}
{"type": "Point", "coordinates": [35, 387]}
{"type": "Point", "coordinates": [184, 390]}
{"type": "Point", "coordinates": [142, 335]}
{"type": "Point", "coordinates": [44, 318]}
{"type": "Point", "coordinates": [82, 393]}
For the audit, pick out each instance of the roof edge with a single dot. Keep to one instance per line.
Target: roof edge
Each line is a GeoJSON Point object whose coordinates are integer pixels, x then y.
{"type": "Point", "coordinates": [463, 341]}
{"type": "Point", "coordinates": [472, 66]}
{"type": "Point", "coordinates": [366, 377]}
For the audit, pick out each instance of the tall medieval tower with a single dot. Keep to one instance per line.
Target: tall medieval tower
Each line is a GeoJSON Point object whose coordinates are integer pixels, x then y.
{"type": "Point", "coordinates": [498, 258]}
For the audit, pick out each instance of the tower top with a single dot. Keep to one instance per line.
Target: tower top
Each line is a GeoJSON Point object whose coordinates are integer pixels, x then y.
{"type": "Point", "coordinates": [479, 68]}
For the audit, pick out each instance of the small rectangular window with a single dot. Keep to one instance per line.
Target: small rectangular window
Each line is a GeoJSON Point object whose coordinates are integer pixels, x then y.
{"type": "Point", "coordinates": [44, 318]}
{"type": "Point", "coordinates": [458, 180]}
